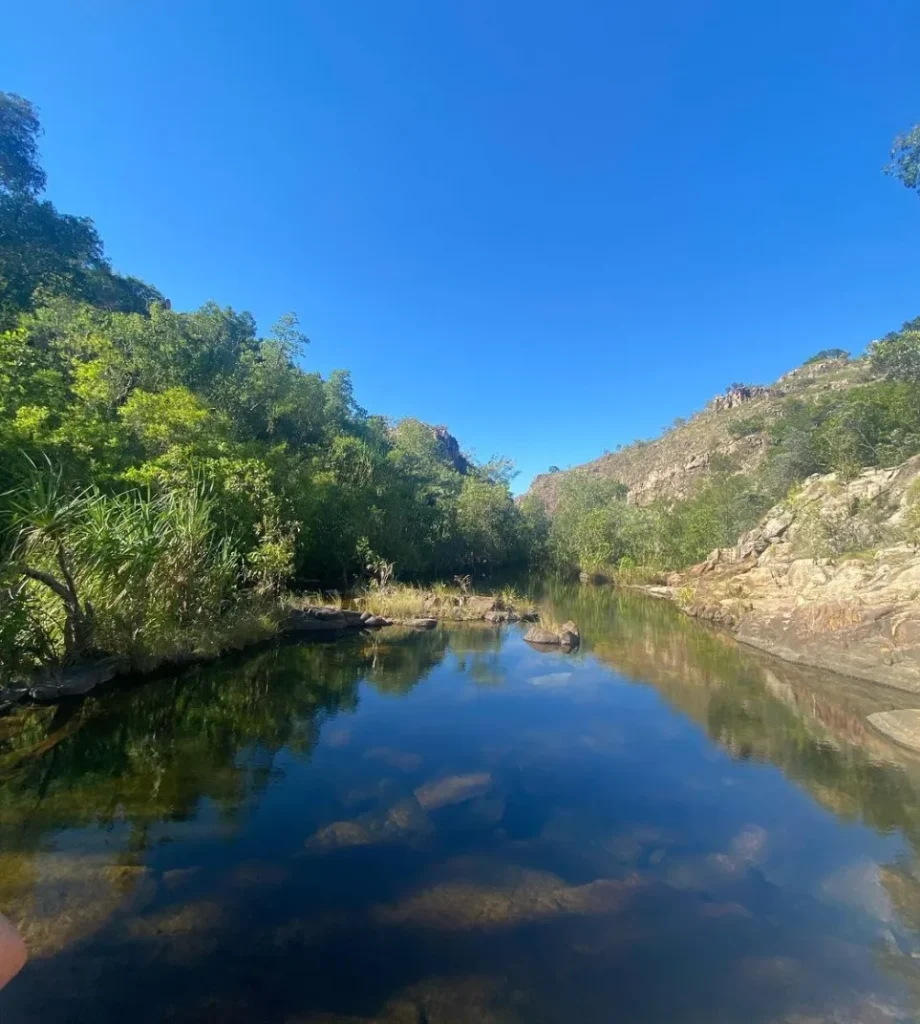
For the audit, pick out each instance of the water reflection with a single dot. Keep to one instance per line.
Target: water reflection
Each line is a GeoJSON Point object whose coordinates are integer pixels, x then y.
{"type": "Point", "coordinates": [449, 826]}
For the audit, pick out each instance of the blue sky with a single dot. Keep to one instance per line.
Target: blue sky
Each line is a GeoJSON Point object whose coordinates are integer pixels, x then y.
{"type": "Point", "coordinates": [551, 226]}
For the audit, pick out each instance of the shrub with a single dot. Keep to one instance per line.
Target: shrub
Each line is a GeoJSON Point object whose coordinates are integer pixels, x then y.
{"type": "Point", "coordinates": [825, 354]}
{"type": "Point", "coordinates": [746, 426]}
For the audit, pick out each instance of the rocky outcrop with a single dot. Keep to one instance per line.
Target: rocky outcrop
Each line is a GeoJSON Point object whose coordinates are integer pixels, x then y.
{"type": "Point", "coordinates": [830, 578]}
{"type": "Point", "coordinates": [449, 448]}
{"type": "Point", "coordinates": [738, 394]}
{"type": "Point", "coordinates": [732, 430]}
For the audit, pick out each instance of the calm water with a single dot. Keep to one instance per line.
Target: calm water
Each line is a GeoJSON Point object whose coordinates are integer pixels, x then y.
{"type": "Point", "coordinates": [452, 827]}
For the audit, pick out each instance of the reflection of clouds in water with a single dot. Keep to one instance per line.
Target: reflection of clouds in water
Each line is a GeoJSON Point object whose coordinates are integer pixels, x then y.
{"type": "Point", "coordinates": [552, 679]}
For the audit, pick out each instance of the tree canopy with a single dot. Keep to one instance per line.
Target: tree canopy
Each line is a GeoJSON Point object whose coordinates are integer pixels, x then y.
{"type": "Point", "coordinates": [146, 416]}
{"type": "Point", "coordinates": [905, 158]}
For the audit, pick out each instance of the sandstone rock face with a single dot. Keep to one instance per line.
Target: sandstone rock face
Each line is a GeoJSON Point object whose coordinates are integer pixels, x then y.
{"type": "Point", "coordinates": [737, 395]}
{"type": "Point", "coordinates": [827, 579]}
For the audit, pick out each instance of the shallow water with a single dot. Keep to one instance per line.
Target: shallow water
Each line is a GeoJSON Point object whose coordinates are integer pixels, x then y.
{"type": "Point", "coordinates": [452, 827]}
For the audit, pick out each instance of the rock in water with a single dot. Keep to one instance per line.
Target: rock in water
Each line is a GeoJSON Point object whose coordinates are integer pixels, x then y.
{"type": "Point", "coordinates": [569, 635]}
{"type": "Point", "coordinates": [455, 789]}
{"type": "Point", "coordinates": [539, 635]}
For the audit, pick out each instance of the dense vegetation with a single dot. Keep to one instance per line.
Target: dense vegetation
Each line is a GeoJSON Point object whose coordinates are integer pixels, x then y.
{"type": "Point", "coordinates": [165, 474]}
{"type": "Point", "coordinates": [875, 423]}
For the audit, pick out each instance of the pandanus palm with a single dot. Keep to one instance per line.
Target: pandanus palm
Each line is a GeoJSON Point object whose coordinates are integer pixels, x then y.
{"type": "Point", "coordinates": [42, 515]}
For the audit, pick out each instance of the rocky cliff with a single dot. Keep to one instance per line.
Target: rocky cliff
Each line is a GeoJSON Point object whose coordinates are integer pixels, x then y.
{"type": "Point", "coordinates": [732, 429]}
{"type": "Point", "coordinates": [830, 577]}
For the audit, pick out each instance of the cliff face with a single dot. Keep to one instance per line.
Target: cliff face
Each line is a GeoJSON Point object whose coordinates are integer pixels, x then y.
{"type": "Point", "coordinates": [732, 429]}
{"type": "Point", "coordinates": [830, 577]}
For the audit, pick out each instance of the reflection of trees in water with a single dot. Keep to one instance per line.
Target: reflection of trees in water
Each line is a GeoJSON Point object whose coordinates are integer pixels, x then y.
{"type": "Point", "coordinates": [808, 723]}
{"type": "Point", "coordinates": [476, 648]}
{"type": "Point", "coordinates": [150, 755]}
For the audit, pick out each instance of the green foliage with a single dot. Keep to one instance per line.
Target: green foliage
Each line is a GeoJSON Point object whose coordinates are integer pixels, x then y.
{"type": "Point", "coordinates": [129, 572]}
{"type": "Point", "coordinates": [905, 158]}
{"type": "Point", "coordinates": [144, 421]}
{"type": "Point", "coordinates": [897, 355]}
{"type": "Point", "coordinates": [20, 172]}
{"type": "Point", "coordinates": [746, 426]}
{"type": "Point", "coordinates": [595, 529]}
{"type": "Point", "coordinates": [588, 523]}
{"type": "Point", "coordinates": [42, 251]}
{"type": "Point", "coordinates": [825, 354]}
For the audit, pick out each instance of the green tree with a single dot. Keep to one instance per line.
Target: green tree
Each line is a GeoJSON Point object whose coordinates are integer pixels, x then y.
{"type": "Point", "coordinates": [20, 172]}
{"type": "Point", "coordinates": [905, 158]}
{"type": "Point", "coordinates": [897, 355]}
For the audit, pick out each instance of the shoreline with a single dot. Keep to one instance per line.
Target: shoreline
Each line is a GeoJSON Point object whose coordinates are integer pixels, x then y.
{"type": "Point", "coordinates": [320, 622]}
{"type": "Point", "coordinates": [852, 650]}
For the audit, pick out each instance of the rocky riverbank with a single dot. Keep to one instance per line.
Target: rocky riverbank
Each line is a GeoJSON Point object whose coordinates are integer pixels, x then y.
{"type": "Point", "coordinates": [830, 578]}
{"type": "Point", "coordinates": [300, 619]}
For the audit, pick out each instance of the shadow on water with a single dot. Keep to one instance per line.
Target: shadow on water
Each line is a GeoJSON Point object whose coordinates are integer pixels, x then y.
{"type": "Point", "coordinates": [449, 826]}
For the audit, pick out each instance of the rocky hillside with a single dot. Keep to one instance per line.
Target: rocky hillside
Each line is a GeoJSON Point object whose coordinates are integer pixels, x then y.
{"type": "Point", "coordinates": [830, 577]}
{"type": "Point", "coordinates": [731, 429]}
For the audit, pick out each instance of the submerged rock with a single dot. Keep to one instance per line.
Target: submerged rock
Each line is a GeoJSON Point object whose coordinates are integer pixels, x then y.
{"type": "Point", "coordinates": [454, 789]}
{"type": "Point", "coordinates": [404, 760]}
{"type": "Point", "coordinates": [402, 822]}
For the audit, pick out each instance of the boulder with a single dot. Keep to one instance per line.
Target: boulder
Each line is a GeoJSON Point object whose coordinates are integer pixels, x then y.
{"type": "Point", "coordinates": [376, 621]}
{"type": "Point", "coordinates": [422, 623]}
{"type": "Point", "coordinates": [567, 637]}
{"type": "Point", "coordinates": [539, 635]}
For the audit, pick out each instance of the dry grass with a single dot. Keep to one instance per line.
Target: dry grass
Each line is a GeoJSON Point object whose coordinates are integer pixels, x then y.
{"type": "Point", "coordinates": [408, 601]}
{"type": "Point", "coordinates": [439, 601]}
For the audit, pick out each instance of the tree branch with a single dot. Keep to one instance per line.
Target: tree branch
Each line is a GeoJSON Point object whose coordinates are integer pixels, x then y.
{"type": "Point", "coordinates": [45, 577]}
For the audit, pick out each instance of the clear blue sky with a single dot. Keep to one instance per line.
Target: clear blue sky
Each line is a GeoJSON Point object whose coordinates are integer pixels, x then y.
{"type": "Point", "coordinates": [553, 226]}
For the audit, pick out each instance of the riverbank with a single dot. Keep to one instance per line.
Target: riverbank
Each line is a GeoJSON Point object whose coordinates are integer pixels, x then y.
{"type": "Point", "coordinates": [830, 578]}
{"type": "Point", "coordinates": [292, 616]}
